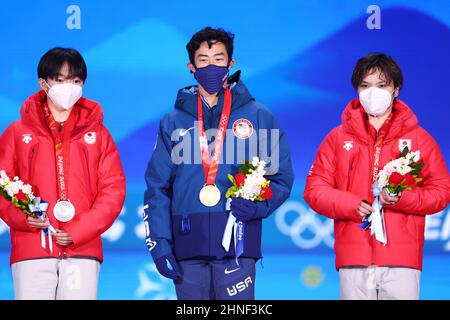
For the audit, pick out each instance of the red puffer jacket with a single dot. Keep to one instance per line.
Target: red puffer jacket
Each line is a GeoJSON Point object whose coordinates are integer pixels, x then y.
{"type": "Point", "coordinates": [95, 179]}
{"type": "Point", "coordinates": [341, 177]}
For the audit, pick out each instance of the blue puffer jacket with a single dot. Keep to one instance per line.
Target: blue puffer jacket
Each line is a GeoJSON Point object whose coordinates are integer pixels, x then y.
{"type": "Point", "coordinates": [175, 219]}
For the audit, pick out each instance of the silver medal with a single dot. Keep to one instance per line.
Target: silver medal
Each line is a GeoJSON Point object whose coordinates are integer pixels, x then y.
{"type": "Point", "coordinates": [64, 211]}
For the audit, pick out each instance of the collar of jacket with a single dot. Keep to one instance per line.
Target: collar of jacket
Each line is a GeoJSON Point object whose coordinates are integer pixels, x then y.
{"type": "Point", "coordinates": [90, 115]}
{"type": "Point", "coordinates": [354, 121]}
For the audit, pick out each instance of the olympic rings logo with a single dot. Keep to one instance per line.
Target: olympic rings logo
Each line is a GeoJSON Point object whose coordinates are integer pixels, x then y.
{"type": "Point", "coordinates": [304, 220]}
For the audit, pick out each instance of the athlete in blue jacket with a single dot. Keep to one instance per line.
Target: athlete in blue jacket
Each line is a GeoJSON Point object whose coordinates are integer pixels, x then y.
{"type": "Point", "coordinates": [184, 223]}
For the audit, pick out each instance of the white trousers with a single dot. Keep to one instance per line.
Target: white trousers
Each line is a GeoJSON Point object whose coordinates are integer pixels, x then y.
{"type": "Point", "coordinates": [56, 279]}
{"type": "Point", "coordinates": [379, 283]}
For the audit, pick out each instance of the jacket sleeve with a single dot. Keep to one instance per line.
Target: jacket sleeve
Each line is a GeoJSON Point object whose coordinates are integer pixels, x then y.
{"type": "Point", "coordinates": [12, 216]}
{"type": "Point", "coordinates": [280, 172]}
{"type": "Point", "coordinates": [321, 192]}
{"type": "Point", "coordinates": [109, 200]}
{"type": "Point", "coordinates": [434, 193]}
{"type": "Point", "coordinates": [157, 197]}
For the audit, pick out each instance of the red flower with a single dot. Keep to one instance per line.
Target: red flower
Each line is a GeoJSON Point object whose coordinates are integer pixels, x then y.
{"type": "Point", "coordinates": [21, 196]}
{"type": "Point", "coordinates": [410, 181]}
{"type": "Point", "coordinates": [240, 179]}
{"type": "Point", "coordinates": [395, 178]}
{"type": "Point", "coordinates": [267, 194]}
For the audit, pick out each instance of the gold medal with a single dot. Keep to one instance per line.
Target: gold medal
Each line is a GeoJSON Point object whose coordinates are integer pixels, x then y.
{"type": "Point", "coordinates": [209, 195]}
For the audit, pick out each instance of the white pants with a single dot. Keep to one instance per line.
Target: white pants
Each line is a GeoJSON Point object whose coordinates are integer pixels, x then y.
{"type": "Point", "coordinates": [56, 279]}
{"type": "Point", "coordinates": [379, 283]}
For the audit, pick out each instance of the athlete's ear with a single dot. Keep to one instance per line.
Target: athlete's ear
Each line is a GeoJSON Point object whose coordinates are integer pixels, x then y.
{"type": "Point", "coordinates": [191, 67]}
{"type": "Point", "coordinates": [43, 84]}
{"type": "Point", "coordinates": [396, 92]}
{"type": "Point", "coordinates": [231, 65]}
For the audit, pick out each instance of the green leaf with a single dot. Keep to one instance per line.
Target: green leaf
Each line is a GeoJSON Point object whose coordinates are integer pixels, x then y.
{"type": "Point", "coordinates": [418, 166]}
{"type": "Point", "coordinates": [231, 178]}
{"type": "Point", "coordinates": [390, 188]}
{"type": "Point", "coordinates": [404, 152]}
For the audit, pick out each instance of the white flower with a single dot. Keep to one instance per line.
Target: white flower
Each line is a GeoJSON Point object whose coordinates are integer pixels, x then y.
{"type": "Point", "coordinates": [413, 156]}
{"type": "Point", "coordinates": [383, 179]}
{"type": "Point", "coordinates": [27, 189]}
{"type": "Point", "coordinates": [388, 169]}
{"type": "Point", "coordinates": [11, 189]}
{"type": "Point", "coordinates": [3, 175]}
{"type": "Point", "coordinates": [417, 156]}
{"type": "Point", "coordinates": [255, 161]}
{"type": "Point", "coordinates": [4, 179]}
{"type": "Point", "coordinates": [404, 170]}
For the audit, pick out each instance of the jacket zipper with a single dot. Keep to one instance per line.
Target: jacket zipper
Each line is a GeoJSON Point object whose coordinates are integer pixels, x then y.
{"type": "Point", "coordinates": [350, 174]}
{"type": "Point", "coordinates": [31, 162]}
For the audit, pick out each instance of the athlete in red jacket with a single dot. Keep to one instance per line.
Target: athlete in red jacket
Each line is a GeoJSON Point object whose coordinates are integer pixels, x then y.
{"type": "Point", "coordinates": [62, 149]}
{"type": "Point", "coordinates": [374, 130]}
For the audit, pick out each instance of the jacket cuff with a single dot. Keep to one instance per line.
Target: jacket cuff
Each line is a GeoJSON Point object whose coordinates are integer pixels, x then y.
{"type": "Point", "coordinates": [20, 223]}
{"type": "Point", "coordinates": [404, 202]}
{"type": "Point", "coordinates": [74, 233]}
{"type": "Point", "coordinates": [262, 209]}
{"type": "Point", "coordinates": [161, 249]}
{"type": "Point", "coordinates": [351, 212]}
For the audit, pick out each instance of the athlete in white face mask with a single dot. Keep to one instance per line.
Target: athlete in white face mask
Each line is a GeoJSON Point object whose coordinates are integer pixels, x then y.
{"type": "Point", "coordinates": [61, 147]}
{"type": "Point", "coordinates": [375, 128]}
{"type": "Point", "coordinates": [63, 91]}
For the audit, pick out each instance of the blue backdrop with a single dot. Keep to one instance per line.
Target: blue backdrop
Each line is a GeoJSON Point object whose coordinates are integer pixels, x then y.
{"type": "Point", "coordinates": [296, 57]}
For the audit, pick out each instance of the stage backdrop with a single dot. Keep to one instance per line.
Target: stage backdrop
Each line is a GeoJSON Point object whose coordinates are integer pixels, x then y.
{"type": "Point", "coordinates": [296, 57]}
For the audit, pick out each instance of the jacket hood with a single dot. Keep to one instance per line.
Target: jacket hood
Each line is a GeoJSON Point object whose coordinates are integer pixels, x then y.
{"type": "Point", "coordinates": [90, 114]}
{"type": "Point", "coordinates": [354, 121]}
{"type": "Point", "coordinates": [187, 97]}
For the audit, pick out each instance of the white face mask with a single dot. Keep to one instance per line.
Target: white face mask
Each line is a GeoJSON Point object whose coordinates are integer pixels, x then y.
{"type": "Point", "coordinates": [375, 100]}
{"type": "Point", "coordinates": [65, 95]}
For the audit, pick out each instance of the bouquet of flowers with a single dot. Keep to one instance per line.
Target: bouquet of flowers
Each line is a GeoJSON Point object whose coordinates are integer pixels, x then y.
{"type": "Point", "coordinates": [21, 196]}
{"type": "Point", "coordinates": [402, 173]}
{"type": "Point", "coordinates": [17, 192]}
{"type": "Point", "coordinates": [250, 184]}
{"type": "Point", "coordinates": [397, 175]}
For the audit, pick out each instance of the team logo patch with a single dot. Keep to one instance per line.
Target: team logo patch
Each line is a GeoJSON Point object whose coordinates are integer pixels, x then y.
{"type": "Point", "coordinates": [242, 128]}
{"type": "Point", "coordinates": [90, 137]}
{"type": "Point", "coordinates": [27, 138]}
{"type": "Point", "coordinates": [348, 145]}
{"type": "Point", "coordinates": [403, 143]}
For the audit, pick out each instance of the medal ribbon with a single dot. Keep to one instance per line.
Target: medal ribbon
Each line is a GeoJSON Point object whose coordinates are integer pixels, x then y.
{"type": "Point", "coordinates": [210, 166]}
{"type": "Point", "coordinates": [61, 150]}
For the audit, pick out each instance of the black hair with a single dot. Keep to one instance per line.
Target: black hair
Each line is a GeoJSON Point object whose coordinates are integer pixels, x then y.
{"type": "Point", "coordinates": [211, 36]}
{"type": "Point", "coordinates": [53, 60]}
{"type": "Point", "coordinates": [377, 61]}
